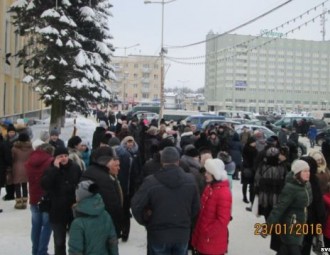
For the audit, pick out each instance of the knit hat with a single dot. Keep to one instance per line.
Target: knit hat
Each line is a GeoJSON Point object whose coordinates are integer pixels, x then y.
{"type": "Point", "coordinates": [54, 132]}
{"type": "Point", "coordinates": [216, 167]}
{"type": "Point", "coordinates": [74, 141]}
{"type": "Point", "coordinates": [102, 155]}
{"type": "Point", "coordinates": [114, 141]}
{"type": "Point", "coordinates": [23, 137]}
{"type": "Point", "coordinates": [11, 128]}
{"type": "Point", "coordinates": [169, 155]}
{"type": "Point", "coordinates": [298, 166]}
{"type": "Point", "coordinates": [191, 151]}
{"type": "Point", "coordinates": [44, 136]}
{"type": "Point", "coordinates": [86, 189]}
{"type": "Point", "coordinates": [103, 124]}
{"type": "Point", "coordinates": [165, 143]}
{"type": "Point", "coordinates": [60, 151]}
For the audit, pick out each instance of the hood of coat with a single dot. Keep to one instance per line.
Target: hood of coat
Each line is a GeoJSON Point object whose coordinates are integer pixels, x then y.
{"type": "Point", "coordinates": [321, 168]}
{"type": "Point", "coordinates": [23, 145]}
{"type": "Point", "coordinates": [91, 206]}
{"type": "Point", "coordinates": [38, 158]}
{"type": "Point", "coordinates": [171, 176]}
{"type": "Point", "coordinates": [123, 147]}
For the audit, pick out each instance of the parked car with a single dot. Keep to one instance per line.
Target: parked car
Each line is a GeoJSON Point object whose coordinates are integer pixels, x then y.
{"type": "Point", "coordinates": [213, 122]}
{"type": "Point", "coordinates": [198, 120]}
{"type": "Point", "coordinates": [268, 133]}
{"type": "Point", "coordinates": [147, 115]}
{"type": "Point", "coordinates": [322, 135]}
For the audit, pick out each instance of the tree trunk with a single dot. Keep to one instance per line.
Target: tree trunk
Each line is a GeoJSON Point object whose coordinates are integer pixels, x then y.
{"type": "Point", "coordinates": [55, 116]}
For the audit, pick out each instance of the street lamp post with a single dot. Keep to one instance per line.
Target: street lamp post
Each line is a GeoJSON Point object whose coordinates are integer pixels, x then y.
{"type": "Point", "coordinates": [161, 54]}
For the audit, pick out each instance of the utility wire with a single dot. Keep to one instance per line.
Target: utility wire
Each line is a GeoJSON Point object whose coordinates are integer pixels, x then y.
{"type": "Point", "coordinates": [233, 29]}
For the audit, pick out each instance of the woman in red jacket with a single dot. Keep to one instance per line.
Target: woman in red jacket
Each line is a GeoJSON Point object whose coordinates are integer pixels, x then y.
{"type": "Point", "coordinates": [210, 236]}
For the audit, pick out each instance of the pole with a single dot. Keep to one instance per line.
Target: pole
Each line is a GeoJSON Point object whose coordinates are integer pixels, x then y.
{"type": "Point", "coordinates": [162, 77]}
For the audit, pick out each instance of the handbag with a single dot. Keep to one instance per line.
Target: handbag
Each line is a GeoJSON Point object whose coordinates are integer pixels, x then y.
{"type": "Point", "coordinates": [44, 204]}
{"type": "Point", "coordinates": [247, 173]}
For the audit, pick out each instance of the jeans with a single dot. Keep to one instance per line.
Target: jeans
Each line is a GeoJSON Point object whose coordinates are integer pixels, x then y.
{"type": "Point", "coordinates": [168, 249]}
{"type": "Point", "coordinates": [40, 232]}
{"type": "Point", "coordinates": [59, 233]}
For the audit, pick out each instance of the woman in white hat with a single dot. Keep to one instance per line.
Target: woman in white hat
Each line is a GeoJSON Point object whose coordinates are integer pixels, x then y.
{"type": "Point", "coordinates": [210, 235]}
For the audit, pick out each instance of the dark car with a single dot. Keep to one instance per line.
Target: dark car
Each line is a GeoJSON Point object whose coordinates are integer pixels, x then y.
{"type": "Point", "coordinates": [322, 135]}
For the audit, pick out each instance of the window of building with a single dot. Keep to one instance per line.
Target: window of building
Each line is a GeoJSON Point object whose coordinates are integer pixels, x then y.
{"type": "Point", "coordinates": [135, 86]}
{"type": "Point", "coordinates": [145, 95]}
{"type": "Point", "coordinates": [136, 65]}
{"type": "Point", "coordinates": [145, 65]}
{"type": "Point", "coordinates": [135, 75]}
{"type": "Point", "coordinates": [135, 95]}
{"type": "Point", "coordinates": [155, 76]}
{"type": "Point", "coordinates": [155, 96]}
{"type": "Point", "coordinates": [155, 66]}
{"type": "Point", "coordinates": [146, 75]}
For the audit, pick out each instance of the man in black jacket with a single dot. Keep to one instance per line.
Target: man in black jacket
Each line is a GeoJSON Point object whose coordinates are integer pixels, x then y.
{"type": "Point", "coordinates": [166, 204]}
{"type": "Point", "coordinates": [60, 181]}
{"type": "Point", "coordinates": [103, 171]}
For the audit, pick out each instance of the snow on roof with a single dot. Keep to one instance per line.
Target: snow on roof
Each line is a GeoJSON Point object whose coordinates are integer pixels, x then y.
{"type": "Point", "coordinates": [170, 94]}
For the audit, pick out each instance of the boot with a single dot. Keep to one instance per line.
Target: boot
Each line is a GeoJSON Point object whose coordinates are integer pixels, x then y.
{"type": "Point", "coordinates": [19, 203]}
{"type": "Point", "coordinates": [25, 199]}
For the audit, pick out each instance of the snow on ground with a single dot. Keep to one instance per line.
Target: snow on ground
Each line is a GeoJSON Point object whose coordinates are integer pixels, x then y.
{"type": "Point", "coordinates": [15, 224]}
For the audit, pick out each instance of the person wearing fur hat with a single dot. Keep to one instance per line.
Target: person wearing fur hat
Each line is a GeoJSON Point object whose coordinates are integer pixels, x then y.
{"type": "Point", "coordinates": [54, 140]}
{"type": "Point", "coordinates": [290, 209]}
{"type": "Point", "coordinates": [130, 177]}
{"type": "Point", "coordinates": [20, 152]}
{"type": "Point", "coordinates": [75, 149]}
{"type": "Point", "coordinates": [103, 171]}
{"type": "Point", "coordinates": [323, 173]}
{"type": "Point", "coordinates": [215, 213]}
{"type": "Point", "coordinates": [92, 222]}
{"type": "Point", "coordinates": [166, 204]}
{"type": "Point", "coordinates": [60, 181]}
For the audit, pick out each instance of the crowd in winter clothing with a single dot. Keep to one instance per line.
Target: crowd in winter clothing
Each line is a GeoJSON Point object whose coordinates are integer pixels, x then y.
{"type": "Point", "coordinates": [174, 180]}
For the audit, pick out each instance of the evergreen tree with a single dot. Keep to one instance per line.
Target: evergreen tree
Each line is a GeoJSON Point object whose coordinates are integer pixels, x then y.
{"type": "Point", "coordinates": [67, 52]}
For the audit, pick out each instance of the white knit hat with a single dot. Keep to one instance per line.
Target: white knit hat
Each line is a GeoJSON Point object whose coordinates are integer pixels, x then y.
{"type": "Point", "coordinates": [217, 168]}
{"type": "Point", "coordinates": [298, 166]}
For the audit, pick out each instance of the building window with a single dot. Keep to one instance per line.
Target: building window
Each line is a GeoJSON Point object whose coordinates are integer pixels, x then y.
{"type": "Point", "coordinates": [155, 66]}
{"type": "Point", "coordinates": [145, 65]}
{"type": "Point", "coordinates": [146, 75]}
{"type": "Point", "coordinates": [135, 95]}
{"type": "Point", "coordinates": [155, 76]}
{"type": "Point", "coordinates": [135, 86]}
{"type": "Point", "coordinates": [145, 95]}
{"type": "Point", "coordinates": [155, 96]}
{"type": "Point", "coordinates": [136, 65]}
{"type": "Point", "coordinates": [135, 75]}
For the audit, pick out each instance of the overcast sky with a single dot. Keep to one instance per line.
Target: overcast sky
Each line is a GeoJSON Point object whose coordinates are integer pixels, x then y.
{"type": "Point", "coordinates": [188, 21]}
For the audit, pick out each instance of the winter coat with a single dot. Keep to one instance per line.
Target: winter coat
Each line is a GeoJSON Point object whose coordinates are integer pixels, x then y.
{"type": "Point", "coordinates": [166, 203]}
{"type": "Point", "coordinates": [202, 142]}
{"type": "Point", "coordinates": [326, 150]}
{"type": "Point", "coordinates": [3, 164]}
{"type": "Point", "coordinates": [249, 156]}
{"type": "Point", "coordinates": [214, 146]}
{"type": "Point", "coordinates": [109, 189]}
{"type": "Point", "coordinates": [97, 137]}
{"type": "Point", "coordinates": [150, 145]}
{"type": "Point", "coordinates": [268, 182]}
{"type": "Point", "coordinates": [61, 184]}
{"type": "Point", "coordinates": [291, 208]}
{"type": "Point", "coordinates": [235, 151]}
{"type": "Point", "coordinates": [20, 154]}
{"type": "Point", "coordinates": [129, 176]}
{"type": "Point", "coordinates": [76, 157]}
{"type": "Point", "coordinates": [58, 144]}
{"type": "Point", "coordinates": [210, 235]}
{"type": "Point", "coordinates": [282, 137]}
{"type": "Point", "coordinates": [134, 131]}
{"type": "Point", "coordinates": [186, 138]}
{"type": "Point", "coordinates": [326, 227]}
{"type": "Point", "coordinates": [312, 132]}
{"type": "Point", "coordinates": [194, 168]}
{"type": "Point", "coordinates": [86, 155]}
{"type": "Point", "coordinates": [36, 166]}
{"type": "Point", "coordinates": [92, 231]}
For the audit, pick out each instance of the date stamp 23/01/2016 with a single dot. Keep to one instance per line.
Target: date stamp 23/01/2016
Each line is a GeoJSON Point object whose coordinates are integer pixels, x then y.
{"type": "Point", "coordinates": [264, 229]}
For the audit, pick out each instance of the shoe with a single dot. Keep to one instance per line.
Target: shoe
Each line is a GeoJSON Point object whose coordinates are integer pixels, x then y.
{"type": "Point", "coordinates": [124, 238]}
{"type": "Point", "coordinates": [249, 209]}
{"type": "Point", "coordinates": [8, 198]}
{"type": "Point", "coordinates": [245, 200]}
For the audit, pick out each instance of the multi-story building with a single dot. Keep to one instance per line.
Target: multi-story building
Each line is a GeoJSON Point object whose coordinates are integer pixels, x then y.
{"type": "Point", "coordinates": [266, 74]}
{"type": "Point", "coordinates": [17, 99]}
{"type": "Point", "coordinates": [138, 78]}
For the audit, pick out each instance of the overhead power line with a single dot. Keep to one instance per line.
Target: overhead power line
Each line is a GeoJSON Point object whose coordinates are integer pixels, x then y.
{"type": "Point", "coordinates": [233, 29]}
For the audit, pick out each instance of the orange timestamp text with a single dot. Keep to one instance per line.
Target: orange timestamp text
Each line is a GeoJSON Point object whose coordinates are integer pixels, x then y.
{"type": "Point", "coordinates": [264, 229]}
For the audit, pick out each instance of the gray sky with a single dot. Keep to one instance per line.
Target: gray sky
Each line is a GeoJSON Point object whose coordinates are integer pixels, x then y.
{"type": "Point", "coordinates": [188, 21]}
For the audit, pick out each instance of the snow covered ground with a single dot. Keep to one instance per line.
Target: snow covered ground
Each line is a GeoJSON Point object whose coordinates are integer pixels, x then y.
{"type": "Point", "coordinates": [15, 224]}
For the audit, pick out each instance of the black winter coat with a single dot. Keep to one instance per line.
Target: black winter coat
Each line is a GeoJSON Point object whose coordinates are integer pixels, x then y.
{"type": "Point", "coordinates": [58, 144]}
{"type": "Point", "coordinates": [3, 164]}
{"type": "Point", "coordinates": [60, 184]}
{"type": "Point", "coordinates": [110, 191]}
{"type": "Point", "coordinates": [166, 204]}
{"type": "Point", "coordinates": [97, 136]}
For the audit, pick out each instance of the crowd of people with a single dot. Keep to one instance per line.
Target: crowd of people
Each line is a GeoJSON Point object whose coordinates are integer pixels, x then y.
{"type": "Point", "coordinates": [175, 180]}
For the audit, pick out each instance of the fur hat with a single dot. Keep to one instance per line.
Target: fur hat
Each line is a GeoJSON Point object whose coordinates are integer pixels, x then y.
{"type": "Point", "coordinates": [54, 132]}
{"type": "Point", "coordinates": [23, 137]}
{"type": "Point", "coordinates": [298, 166]}
{"type": "Point", "coordinates": [60, 151]}
{"type": "Point", "coordinates": [191, 151]}
{"type": "Point", "coordinates": [86, 189]}
{"type": "Point", "coordinates": [169, 155]}
{"type": "Point", "coordinates": [74, 141]}
{"type": "Point", "coordinates": [128, 138]}
{"type": "Point", "coordinates": [216, 167]}
{"type": "Point", "coordinates": [153, 130]}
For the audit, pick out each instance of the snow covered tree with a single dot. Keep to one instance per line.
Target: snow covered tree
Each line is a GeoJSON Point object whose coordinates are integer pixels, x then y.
{"type": "Point", "coordinates": [67, 52]}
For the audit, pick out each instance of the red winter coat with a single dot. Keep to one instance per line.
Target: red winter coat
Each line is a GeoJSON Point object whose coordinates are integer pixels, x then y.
{"type": "Point", "coordinates": [210, 235]}
{"type": "Point", "coordinates": [326, 228]}
{"type": "Point", "coordinates": [36, 165]}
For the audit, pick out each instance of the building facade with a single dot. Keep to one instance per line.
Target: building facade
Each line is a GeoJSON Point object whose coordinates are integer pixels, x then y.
{"type": "Point", "coordinates": [137, 78]}
{"type": "Point", "coordinates": [17, 99]}
{"type": "Point", "coordinates": [261, 74]}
